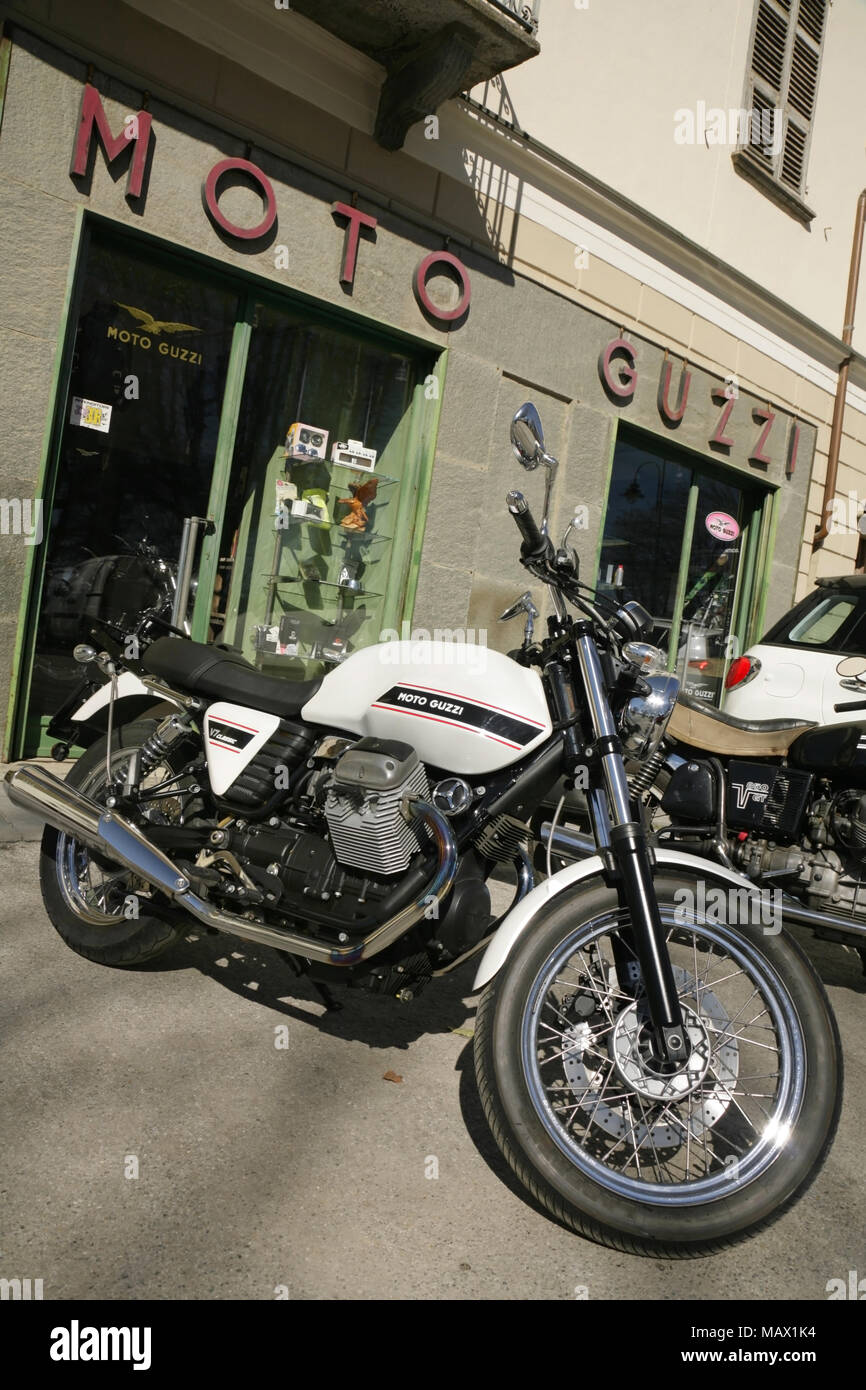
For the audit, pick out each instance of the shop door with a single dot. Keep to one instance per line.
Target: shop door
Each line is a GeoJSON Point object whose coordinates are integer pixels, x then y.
{"type": "Point", "coordinates": [135, 452]}
{"type": "Point", "coordinates": [685, 540]}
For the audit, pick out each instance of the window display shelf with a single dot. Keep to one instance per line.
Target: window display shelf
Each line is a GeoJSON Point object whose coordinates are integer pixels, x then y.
{"type": "Point", "coordinates": [347, 533]}
{"type": "Point", "coordinates": [282, 581]}
{"type": "Point", "coordinates": [382, 478]}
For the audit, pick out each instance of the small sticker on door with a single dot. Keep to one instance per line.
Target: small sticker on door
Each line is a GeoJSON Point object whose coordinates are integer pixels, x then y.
{"type": "Point", "coordinates": [722, 526]}
{"type": "Point", "coordinates": [93, 415]}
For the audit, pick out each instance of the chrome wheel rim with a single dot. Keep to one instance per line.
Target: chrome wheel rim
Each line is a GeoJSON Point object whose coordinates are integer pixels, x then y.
{"type": "Point", "coordinates": [682, 1137]}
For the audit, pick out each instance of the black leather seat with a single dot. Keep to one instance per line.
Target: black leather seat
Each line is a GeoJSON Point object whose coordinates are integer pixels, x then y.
{"type": "Point", "coordinates": [198, 669]}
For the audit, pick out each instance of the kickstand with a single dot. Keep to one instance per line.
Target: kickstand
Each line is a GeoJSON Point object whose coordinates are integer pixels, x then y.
{"type": "Point", "coordinates": [331, 1004]}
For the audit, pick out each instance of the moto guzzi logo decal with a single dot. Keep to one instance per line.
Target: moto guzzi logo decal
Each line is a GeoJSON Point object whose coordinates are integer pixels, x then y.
{"type": "Point", "coordinates": [444, 707]}
{"type": "Point", "coordinates": [233, 737]}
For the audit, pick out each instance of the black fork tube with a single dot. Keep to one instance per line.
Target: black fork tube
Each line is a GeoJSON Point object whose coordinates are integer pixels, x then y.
{"type": "Point", "coordinates": [629, 848]}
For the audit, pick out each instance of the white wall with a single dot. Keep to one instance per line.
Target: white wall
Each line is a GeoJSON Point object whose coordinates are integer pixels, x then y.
{"type": "Point", "coordinates": [604, 93]}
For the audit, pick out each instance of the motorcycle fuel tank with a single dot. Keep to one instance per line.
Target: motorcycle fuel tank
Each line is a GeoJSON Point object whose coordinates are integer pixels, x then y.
{"type": "Point", "coordinates": [832, 748]}
{"type": "Point", "coordinates": [465, 708]}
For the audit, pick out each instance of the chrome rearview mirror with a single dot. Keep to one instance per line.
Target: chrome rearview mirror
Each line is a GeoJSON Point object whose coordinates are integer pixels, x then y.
{"type": "Point", "coordinates": [527, 436]}
{"type": "Point", "coordinates": [527, 441]}
{"type": "Point", "coordinates": [852, 667]}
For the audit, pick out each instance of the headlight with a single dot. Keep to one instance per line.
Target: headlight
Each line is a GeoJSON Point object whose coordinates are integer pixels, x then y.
{"type": "Point", "coordinates": [645, 717]}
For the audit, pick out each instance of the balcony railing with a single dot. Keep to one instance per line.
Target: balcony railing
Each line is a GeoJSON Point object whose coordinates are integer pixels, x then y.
{"type": "Point", "coordinates": [524, 11]}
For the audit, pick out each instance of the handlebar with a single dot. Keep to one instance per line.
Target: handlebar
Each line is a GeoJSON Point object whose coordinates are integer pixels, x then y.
{"type": "Point", "coordinates": [537, 555]}
{"type": "Point", "coordinates": [535, 544]}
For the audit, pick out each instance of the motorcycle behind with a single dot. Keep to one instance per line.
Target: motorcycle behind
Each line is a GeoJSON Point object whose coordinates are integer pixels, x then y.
{"type": "Point", "coordinates": [663, 1080]}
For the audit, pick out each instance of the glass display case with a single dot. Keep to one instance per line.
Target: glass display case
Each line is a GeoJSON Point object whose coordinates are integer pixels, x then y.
{"type": "Point", "coordinates": [329, 567]}
{"type": "Point", "coordinates": [322, 500]}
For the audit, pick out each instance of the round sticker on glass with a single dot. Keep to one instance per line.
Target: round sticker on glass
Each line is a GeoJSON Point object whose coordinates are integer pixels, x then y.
{"type": "Point", "coordinates": [722, 526]}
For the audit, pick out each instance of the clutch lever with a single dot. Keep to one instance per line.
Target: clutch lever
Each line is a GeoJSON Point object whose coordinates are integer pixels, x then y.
{"type": "Point", "coordinates": [522, 605]}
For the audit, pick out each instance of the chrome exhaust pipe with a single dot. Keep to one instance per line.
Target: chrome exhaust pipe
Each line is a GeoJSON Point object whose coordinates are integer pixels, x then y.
{"type": "Point", "coordinates": [34, 789]}
{"type": "Point", "coordinates": [70, 810]}
{"type": "Point", "coordinates": [571, 844]}
{"type": "Point", "coordinates": [795, 912]}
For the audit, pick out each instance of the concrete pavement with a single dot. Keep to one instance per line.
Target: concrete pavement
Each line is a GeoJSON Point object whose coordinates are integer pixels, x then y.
{"type": "Point", "coordinates": [202, 1129]}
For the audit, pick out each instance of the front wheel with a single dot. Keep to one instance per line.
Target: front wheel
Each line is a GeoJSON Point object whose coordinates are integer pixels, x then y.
{"type": "Point", "coordinates": [652, 1159]}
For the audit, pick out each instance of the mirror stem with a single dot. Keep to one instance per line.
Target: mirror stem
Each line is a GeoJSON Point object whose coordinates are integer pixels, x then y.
{"type": "Point", "coordinates": [551, 465]}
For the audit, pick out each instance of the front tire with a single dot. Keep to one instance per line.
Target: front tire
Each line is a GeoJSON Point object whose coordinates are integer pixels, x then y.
{"type": "Point", "coordinates": [679, 1163]}
{"type": "Point", "coordinates": [90, 899]}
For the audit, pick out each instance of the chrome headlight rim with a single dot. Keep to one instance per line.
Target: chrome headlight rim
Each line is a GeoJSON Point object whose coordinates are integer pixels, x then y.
{"type": "Point", "coordinates": [645, 717]}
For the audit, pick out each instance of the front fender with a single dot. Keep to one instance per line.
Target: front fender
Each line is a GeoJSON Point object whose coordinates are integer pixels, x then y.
{"type": "Point", "coordinates": [520, 918]}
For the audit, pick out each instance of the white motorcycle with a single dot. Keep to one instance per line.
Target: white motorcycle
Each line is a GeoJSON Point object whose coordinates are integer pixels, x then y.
{"type": "Point", "coordinates": [662, 1079]}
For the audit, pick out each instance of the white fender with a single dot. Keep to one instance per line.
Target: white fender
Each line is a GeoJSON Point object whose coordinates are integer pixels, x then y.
{"type": "Point", "coordinates": [520, 918]}
{"type": "Point", "coordinates": [127, 684]}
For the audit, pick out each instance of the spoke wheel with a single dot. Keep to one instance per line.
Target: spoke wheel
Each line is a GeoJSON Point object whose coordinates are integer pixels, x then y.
{"type": "Point", "coordinates": [637, 1153]}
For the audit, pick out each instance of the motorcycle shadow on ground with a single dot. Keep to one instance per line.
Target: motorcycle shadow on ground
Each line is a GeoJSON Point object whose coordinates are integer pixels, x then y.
{"type": "Point", "coordinates": [259, 974]}
{"type": "Point", "coordinates": [839, 966]}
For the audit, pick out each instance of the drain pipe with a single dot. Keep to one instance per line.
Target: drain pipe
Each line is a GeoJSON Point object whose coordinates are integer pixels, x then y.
{"type": "Point", "coordinates": [822, 529]}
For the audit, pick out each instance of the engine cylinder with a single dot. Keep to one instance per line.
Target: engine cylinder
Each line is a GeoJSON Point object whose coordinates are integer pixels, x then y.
{"type": "Point", "coordinates": [364, 807]}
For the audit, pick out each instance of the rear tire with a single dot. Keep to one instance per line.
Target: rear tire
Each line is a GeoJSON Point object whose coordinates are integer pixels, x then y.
{"type": "Point", "coordinates": [95, 926]}
{"type": "Point", "coordinates": [570, 1104]}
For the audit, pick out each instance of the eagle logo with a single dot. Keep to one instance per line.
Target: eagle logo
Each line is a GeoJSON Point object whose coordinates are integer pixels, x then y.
{"type": "Point", "coordinates": [156, 326]}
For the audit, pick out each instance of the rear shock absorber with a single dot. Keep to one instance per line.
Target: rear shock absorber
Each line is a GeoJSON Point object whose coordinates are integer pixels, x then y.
{"type": "Point", "coordinates": [160, 741]}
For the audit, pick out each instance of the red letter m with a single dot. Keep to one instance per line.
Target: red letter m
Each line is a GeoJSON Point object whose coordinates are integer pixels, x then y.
{"type": "Point", "coordinates": [135, 132]}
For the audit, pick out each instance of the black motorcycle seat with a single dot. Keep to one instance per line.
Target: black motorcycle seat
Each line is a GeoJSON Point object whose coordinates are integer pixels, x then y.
{"type": "Point", "coordinates": [199, 669]}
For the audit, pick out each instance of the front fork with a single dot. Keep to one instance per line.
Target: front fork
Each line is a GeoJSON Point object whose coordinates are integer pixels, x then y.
{"type": "Point", "coordinates": [618, 833]}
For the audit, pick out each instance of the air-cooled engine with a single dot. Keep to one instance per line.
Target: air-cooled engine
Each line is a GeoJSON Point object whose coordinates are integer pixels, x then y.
{"type": "Point", "coordinates": [364, 807]}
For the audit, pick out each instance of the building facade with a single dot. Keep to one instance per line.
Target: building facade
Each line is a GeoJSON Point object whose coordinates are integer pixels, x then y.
{"type": "Point", "coordinates": [223, 220]}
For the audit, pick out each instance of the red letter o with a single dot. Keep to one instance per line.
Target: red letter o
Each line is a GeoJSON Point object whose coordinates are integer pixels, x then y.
{"type": "Point", "coordinates": [264, 187]}
{"type": "Point", "coordinates": [443, 258]}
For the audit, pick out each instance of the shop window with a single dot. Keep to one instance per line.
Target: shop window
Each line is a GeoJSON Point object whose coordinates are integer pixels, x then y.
{"type": "Point", "coordinates": [182, 388]}
{"type": "Point", "coordinates": [320, 501]}
{"type": "Point", "coordinates": [680, 539]}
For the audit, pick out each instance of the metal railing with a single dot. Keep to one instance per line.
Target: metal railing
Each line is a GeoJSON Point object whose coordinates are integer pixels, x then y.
{"type": "Point", "coordinates": [524, 11]}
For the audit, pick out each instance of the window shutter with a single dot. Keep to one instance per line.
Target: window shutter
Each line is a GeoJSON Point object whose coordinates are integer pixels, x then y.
{"type": "Point", "coordinates": [785, 60]}
{"type": "Point", "coordinates": [771, 39]}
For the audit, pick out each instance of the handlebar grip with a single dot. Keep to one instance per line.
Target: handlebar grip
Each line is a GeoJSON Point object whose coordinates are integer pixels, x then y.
{"type": "Point", "coordinates": [849, 704]}
{"type": "Point", "coordinates": [534, 543]}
